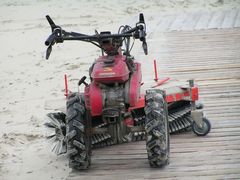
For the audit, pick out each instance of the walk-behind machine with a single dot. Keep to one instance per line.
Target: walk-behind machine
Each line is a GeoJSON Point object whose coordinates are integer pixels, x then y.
{"type": "Point", "coordinates": [112, 109]}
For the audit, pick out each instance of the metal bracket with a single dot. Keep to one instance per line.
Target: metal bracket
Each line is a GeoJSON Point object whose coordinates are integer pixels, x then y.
{"type": "Point", "coordinates": [96, 130]}
{"type": "Point", "coordinates": [137, 129]}
{"type": "Point", "coordinates": [197, 116]}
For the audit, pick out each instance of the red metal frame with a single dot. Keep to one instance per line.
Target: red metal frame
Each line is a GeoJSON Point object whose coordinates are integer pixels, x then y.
{"type": "Point", "coordinates": [135, 85]}
{"type": "Point", "coordinates": [194, 93]}
{"type": "Point", "coordinates": [190, 94]}
{"type": "Point", "coordinates": [139, 104]}
{"type": "Point", "coordinates": [93, 99]}
{"type": "Point", "coordinates": [162, 81]}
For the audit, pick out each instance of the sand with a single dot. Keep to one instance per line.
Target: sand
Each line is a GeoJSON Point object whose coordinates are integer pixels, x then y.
{"type": "Point", "coordinates": [28, 80]}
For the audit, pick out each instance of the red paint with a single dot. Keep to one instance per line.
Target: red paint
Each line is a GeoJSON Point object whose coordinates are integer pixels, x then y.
{"type": "Point", "coordinates": [140, 103]}
{"type": "Point", "coordinates": [194, 93]}
{"type": "Point", "coordinates": [129, 122]}
{"type": "Point", "coordinates": [179, 96]}
{"type": "Point", "coordinates": [174, 97]}
{"type": "Point", "coordinates": [188, 94]}
{"type": "Point", "coordinates": [170, 98]}
{"type": "Point", "coordinates": [155, 70]}
{"type": "Point", "coordinates": [93, 99]}
{"type": "Point", "coordinates": [66, 85]}
{"type": "Point", "coordinates": [108, 72]}
{"type": "Point", "coordinates": [135, 85]}
{"type": "Point", "coordinates": [162, 81]}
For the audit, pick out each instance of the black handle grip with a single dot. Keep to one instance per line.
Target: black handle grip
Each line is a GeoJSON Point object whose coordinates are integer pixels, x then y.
{"type": "Point", "coordinates": [50, 39]}
{"type": "Point", "coordinates": [141, 18]}
{"type": "Point", "coordinates": [145, 47]}
{"type": "Point", "coordinates": [142, 35]}
{"type": "Point", "coordinates": [48, 52]}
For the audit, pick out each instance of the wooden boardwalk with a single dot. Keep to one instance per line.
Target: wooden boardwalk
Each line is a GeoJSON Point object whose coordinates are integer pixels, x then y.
{"type": "Point", "coordinates": [196, 20]}
{"type": "Point", "coordinates": [212, 58]}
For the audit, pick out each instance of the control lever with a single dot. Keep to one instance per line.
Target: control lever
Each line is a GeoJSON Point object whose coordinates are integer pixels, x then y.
{"type": "Point", "coordinates": [142, 33]}
{"type": "Point", "coordinates": [52, 24]}
{"type": "Point", "coordinates": [82, 80]}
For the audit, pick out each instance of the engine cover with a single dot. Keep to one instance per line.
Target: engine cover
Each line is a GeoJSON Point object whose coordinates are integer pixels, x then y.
{"type": "Point", "coordinates": [110, 69]}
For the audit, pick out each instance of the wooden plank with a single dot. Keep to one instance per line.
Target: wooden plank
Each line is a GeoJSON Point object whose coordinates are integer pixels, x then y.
{"type": "Point", "coordinates": [152, 26]}
{"type": "Point", "coordinates": [166, 22]}
{"type": "Point", "coordinates": [141, 173]}
{"type": "Point", "coordinates": [206, 67]}
{"type": "Point", "coordinates": [204, 20]}
{"type": "Point", "coordinates": [230, 18]}
{"type": "Point", "coordinates": [237, 20]}
{"type": "Point", "coordinates": [217, 19]}
{"type": "Point", "coordinates": [178, 21]}
{"type": "Point", "coordinates": [228, 102]}
{"type": "Point", "coordinates": [175, 148]}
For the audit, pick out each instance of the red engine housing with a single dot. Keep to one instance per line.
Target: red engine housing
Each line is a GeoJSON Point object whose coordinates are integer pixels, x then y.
{"type": "Point", "coordinates": [109, 70]}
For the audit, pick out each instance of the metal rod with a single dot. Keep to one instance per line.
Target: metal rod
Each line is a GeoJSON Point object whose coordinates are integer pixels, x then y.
{"type": "Point", "coordinates": [160, 82]}
{"type": "Point", "coordinates": [66, 85]}
{"type": "Point", "coordinates": [94, 37]}
{"type": "Point", "coordinates": [191, 84]}
{"type": "Point", "coordinates": [155, 70]}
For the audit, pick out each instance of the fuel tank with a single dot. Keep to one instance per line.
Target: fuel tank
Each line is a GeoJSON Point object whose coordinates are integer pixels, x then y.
{"type": "Point", "coordinates": [110, 69]}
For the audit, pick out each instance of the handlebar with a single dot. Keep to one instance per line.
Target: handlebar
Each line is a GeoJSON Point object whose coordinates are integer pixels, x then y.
{"type": "Point", "coordinates": [58, 35]}
{"type": "Point", "coordinates": [142, 35]}
{"type": "Point", "coordinates": [78, 36]}
{"type": "Point", "coordinates": [50, 39]}
{"type": "Point", "coordinates": [96, 37]}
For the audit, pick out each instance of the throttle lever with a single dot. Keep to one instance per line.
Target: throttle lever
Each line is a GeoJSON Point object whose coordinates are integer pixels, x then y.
{"type": "Point", "coordinates": [52, 24]}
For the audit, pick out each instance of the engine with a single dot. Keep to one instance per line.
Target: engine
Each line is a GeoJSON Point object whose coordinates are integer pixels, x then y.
{"type": "Point", "coordinates": [113, 102]}
{"type": "Point", "coordinates": [114, 87]}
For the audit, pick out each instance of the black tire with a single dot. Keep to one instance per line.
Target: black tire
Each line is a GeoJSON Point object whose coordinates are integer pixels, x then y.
{"type": "Point", "coordinates": [157, 128]}
{"type": "Point", "coordinates": [204, 130]}
{"type": "Point", "coordinates": [78, 137]}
